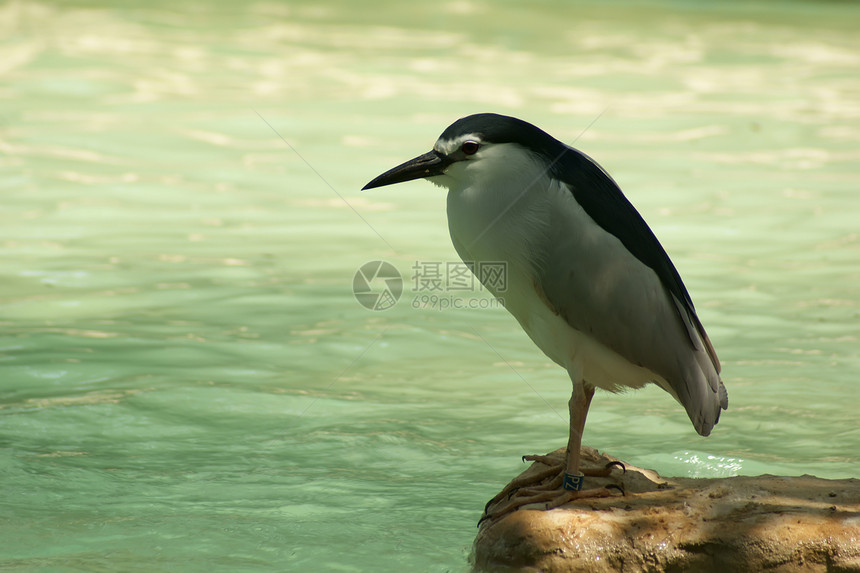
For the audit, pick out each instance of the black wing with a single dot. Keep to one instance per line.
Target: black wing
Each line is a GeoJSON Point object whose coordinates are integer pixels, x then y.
{"type": "Point", "coordinates": [602, 199]}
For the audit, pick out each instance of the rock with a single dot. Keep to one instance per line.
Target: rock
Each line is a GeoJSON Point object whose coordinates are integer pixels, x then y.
{"type": "Point", "coordinates": [763, 523]}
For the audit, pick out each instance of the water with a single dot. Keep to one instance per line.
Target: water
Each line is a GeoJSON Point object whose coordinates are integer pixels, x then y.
{"type": "Point", "coordinates": [188, 382]}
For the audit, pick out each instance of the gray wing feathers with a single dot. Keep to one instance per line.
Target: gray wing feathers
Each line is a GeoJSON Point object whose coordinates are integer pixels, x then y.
{"type": "Point", "coordinates": [624, 305]}
{"type": "Point", "coordinates": [705, 393]}
{"type": "Point", "coordinates": [696, 332]}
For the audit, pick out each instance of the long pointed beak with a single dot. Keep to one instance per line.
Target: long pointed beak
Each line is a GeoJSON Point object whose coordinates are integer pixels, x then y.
{"type": "Point", "coordinates": [427, 165]}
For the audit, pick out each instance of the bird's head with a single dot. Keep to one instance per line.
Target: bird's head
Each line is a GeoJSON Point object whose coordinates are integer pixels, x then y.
{"type": "Point", "coordinates": [473, 147]}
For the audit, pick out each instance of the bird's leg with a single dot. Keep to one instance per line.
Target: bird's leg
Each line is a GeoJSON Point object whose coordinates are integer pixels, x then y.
{"type": "Point", "coordinates": [569, 476]}
{"type": "Point", "coordinates": [580, 401]}
{"type": "Point", "coordinates": [578, 407]}
{"type": "Point", "coordinates": [566, 482]}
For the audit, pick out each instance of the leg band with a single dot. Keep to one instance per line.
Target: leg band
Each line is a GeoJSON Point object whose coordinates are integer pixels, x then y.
{"type": "Point", "coordinates": [573, 482]}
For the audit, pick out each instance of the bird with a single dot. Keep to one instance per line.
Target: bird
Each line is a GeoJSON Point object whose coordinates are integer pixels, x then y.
{"type": "Point", "coordinates": [586, 278]}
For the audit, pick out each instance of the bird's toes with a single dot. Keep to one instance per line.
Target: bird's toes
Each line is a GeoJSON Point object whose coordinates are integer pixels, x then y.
{"type": "Point", "coordinates": [605, 471]}
{"type": "Point", "coordinates": [545, 460]}
{"type": "Point", "coordinates": [616, 486]}
{"type": "Point", "coordinates": [618, 465]}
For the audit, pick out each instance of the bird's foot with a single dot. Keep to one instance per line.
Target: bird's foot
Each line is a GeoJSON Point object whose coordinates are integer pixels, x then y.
{"type": "Point", "coordinates": [546, 486]}
{"type": "Point", "coordinates": [550, 499]}
{"type": "Point", "coordinates": [554, 463]}
{"type": "Point", "coordinates": [527, 481]}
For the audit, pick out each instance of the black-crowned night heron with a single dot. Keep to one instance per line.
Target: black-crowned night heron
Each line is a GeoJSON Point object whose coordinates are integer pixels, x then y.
{"type": "Point", "coordinates": [587, 279]}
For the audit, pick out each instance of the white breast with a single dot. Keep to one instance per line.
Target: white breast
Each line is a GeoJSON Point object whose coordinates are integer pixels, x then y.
{"type": "Point", "coordinates": [519, 215]}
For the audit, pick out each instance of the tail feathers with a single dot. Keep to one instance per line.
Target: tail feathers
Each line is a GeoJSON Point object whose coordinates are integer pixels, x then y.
{"type": "Point", "coordinates": [707, 414]}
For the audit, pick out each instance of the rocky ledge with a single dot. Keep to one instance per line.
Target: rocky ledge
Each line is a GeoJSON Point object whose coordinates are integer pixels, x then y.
{"type": "Point", "coordinates": [739, 524]}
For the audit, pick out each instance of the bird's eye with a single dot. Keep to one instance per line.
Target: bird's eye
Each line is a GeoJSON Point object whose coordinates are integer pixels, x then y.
{"type": "Point", "coordinates": [470, 147]}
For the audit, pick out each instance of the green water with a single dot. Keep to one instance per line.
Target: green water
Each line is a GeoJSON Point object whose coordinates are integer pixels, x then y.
{"type": "Point", "coordinates": [188, 383]}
